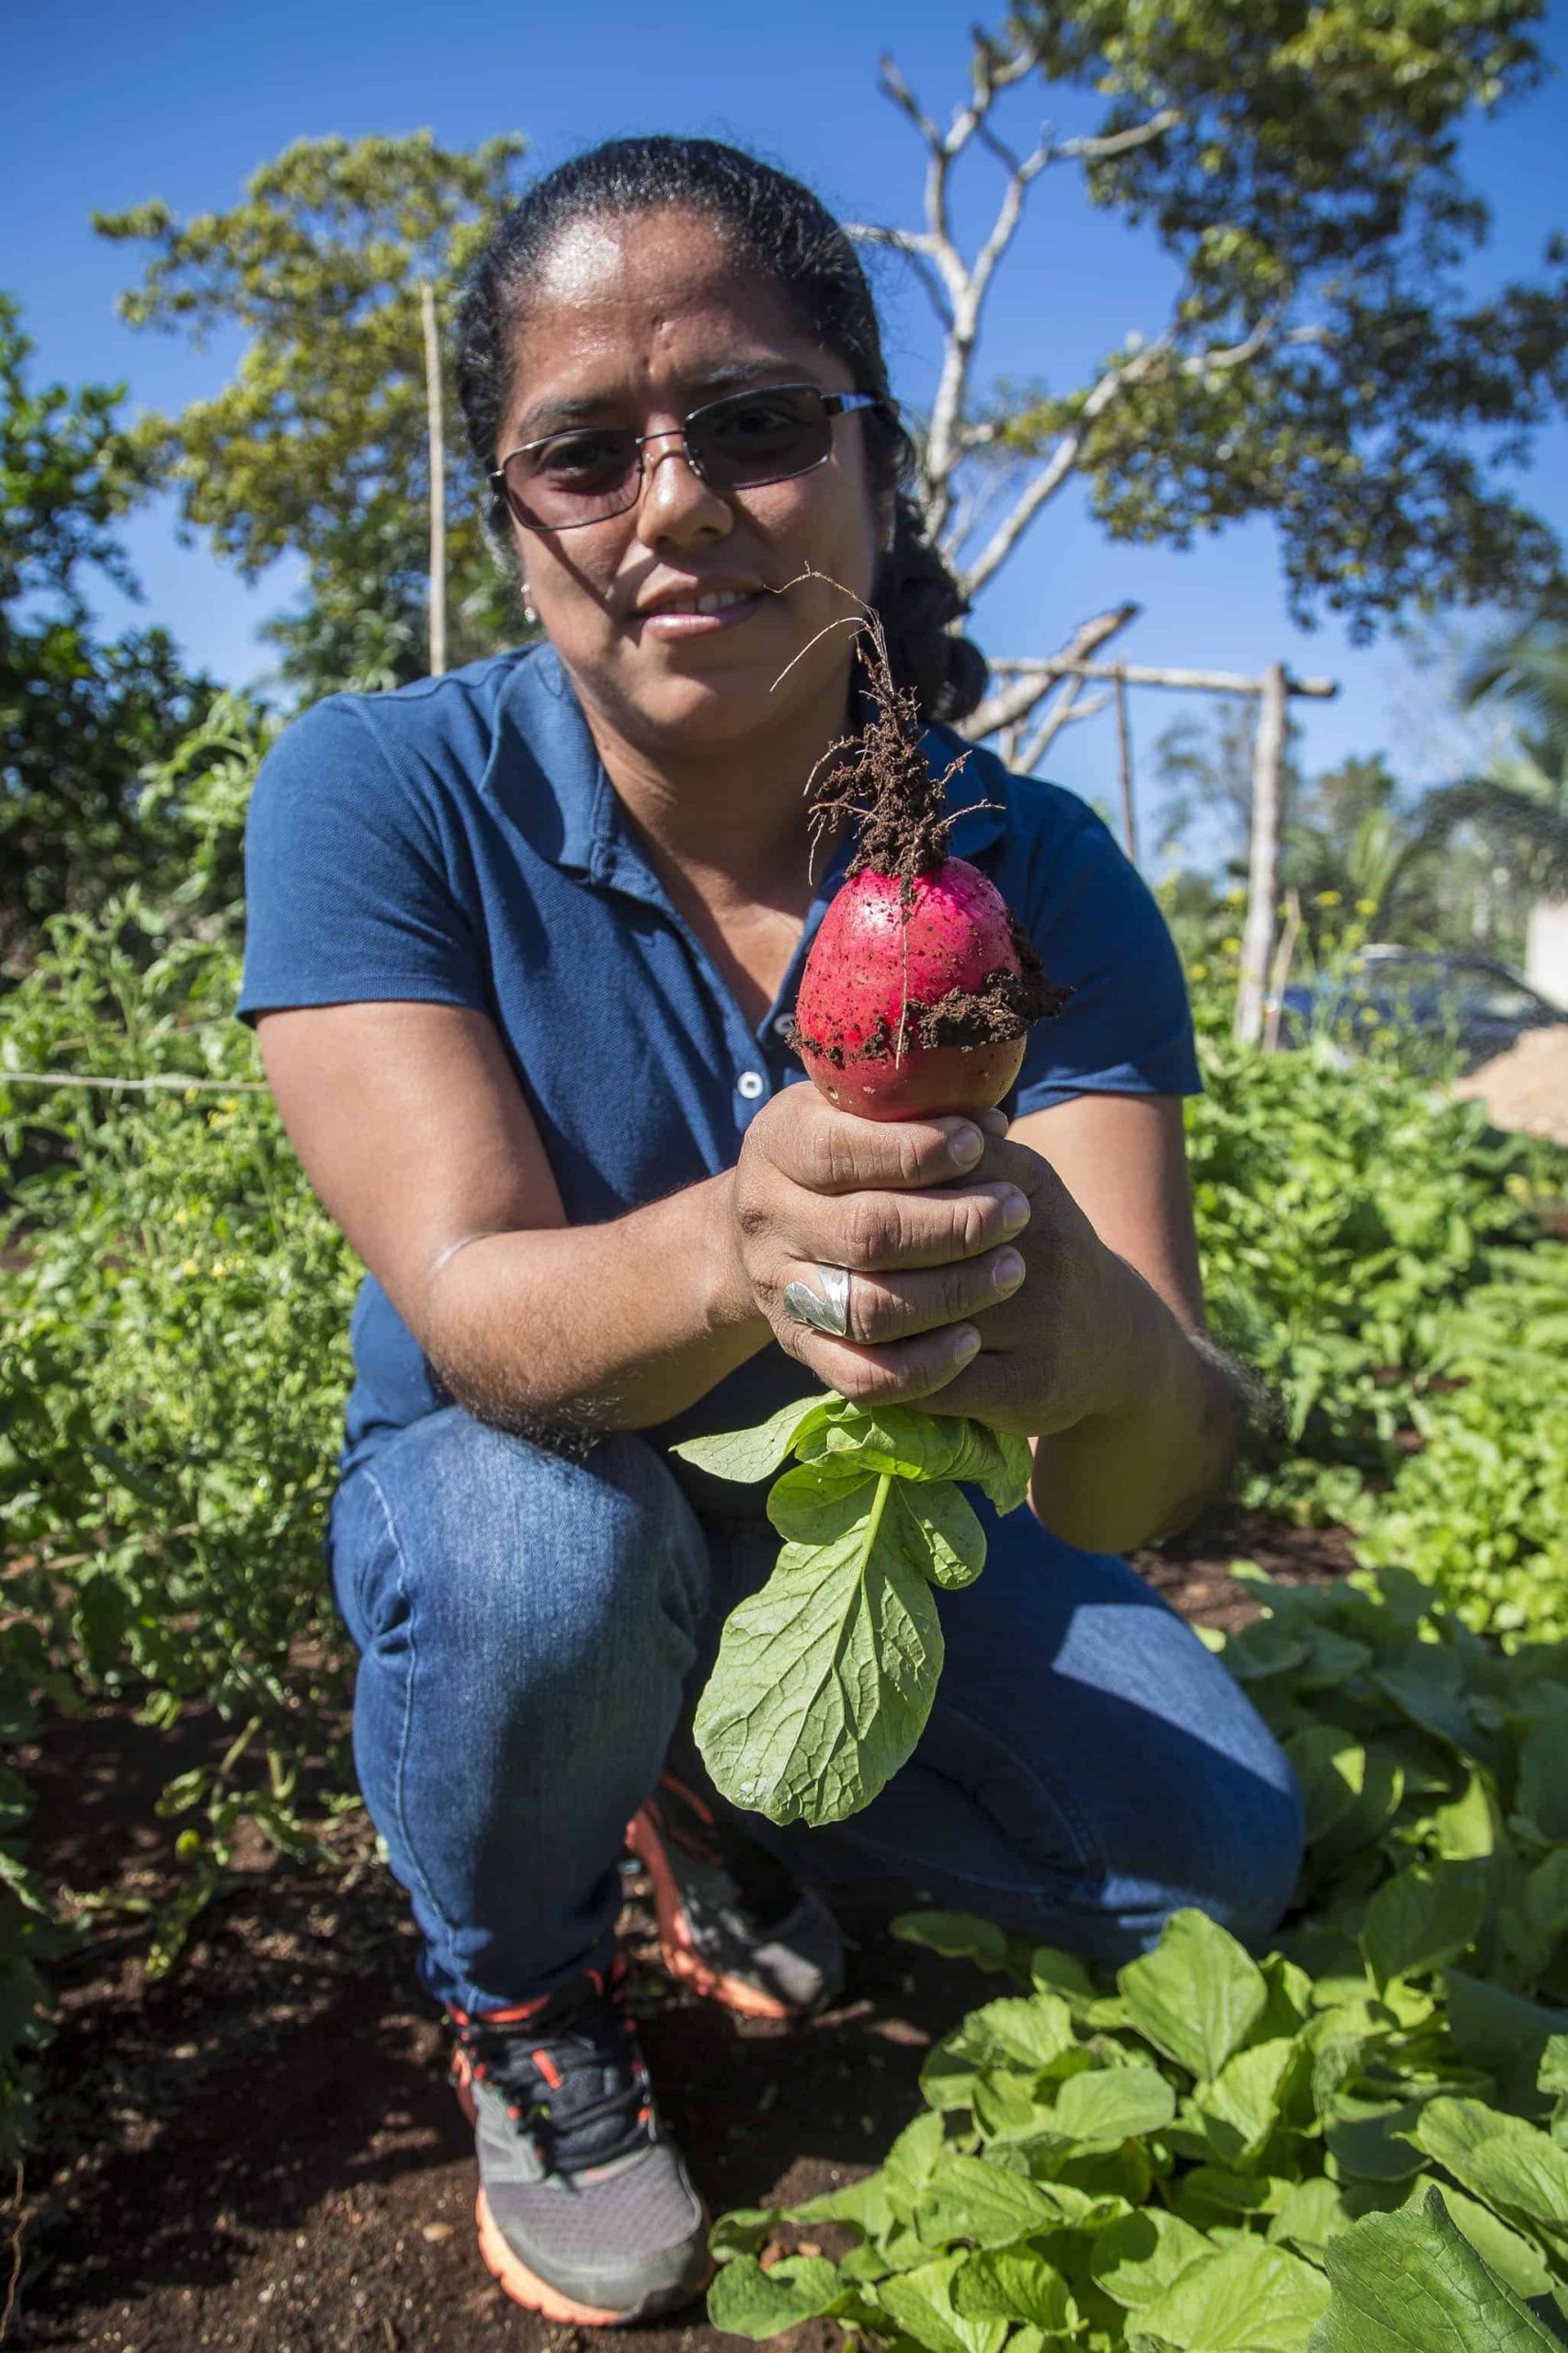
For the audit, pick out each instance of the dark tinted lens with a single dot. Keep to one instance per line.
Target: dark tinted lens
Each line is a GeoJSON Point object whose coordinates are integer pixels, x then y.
{"type": "Point", "coordinates": [760, 436]}
{"type": "Point", "coordinates": [574, 477]}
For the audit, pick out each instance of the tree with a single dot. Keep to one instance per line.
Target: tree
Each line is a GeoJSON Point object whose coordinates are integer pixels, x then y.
{"type": "Point", "coordinates": [1319, 363]}
{"type": "Point", "coordinates": [1519, 808]}
{"type": "Point", "coordinates": [318, 446]}
{"type": "Point", "coordinates": [80, 719]}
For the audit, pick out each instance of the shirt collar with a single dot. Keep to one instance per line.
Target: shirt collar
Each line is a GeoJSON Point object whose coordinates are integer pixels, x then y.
{"type": "Point", "coordinates": [589, 835]}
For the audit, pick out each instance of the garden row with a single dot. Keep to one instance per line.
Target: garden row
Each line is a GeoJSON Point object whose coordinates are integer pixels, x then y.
{"type": "Point", "coordinates": [173, 1357]}
{"type": "Point", "coordinates": [1214, 2155]}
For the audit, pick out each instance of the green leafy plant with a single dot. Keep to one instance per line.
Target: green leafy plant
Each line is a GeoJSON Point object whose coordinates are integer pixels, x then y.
{"type": "Point", "coordinates": [1365, 2131]}
{"type": "Point", "coordinates": [824, 1679]}
{"type": "Point", "coordinates": [173, 1311]}
{"type": "Point", "coordinates": [1434, 1765]}
{"type": "Point", "coordinates": [1184, 2159]}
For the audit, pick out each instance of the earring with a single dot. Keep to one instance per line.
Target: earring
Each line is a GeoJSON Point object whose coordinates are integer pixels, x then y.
{"type": "Point", "coordinates": [529, 613]}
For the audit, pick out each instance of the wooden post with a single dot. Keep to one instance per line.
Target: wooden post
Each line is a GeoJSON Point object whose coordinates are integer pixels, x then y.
{"type": "Point", "coordinates": [1263, 876]}
{"type": "Point", "coordinates": [432, 410]}
{"type": "Point", "coordinates": [1124, 745]}
{"type": "Point", "coordinates": [1279, 972]}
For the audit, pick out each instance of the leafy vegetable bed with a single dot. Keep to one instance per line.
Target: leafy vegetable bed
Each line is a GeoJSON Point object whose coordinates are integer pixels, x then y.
{"type": "Point", "coordinates": [1357, 2144]}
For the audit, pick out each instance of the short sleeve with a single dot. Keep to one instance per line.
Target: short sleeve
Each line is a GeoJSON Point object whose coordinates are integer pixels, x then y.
{"type": "Point", "coordinates": [1126, 1029]}
{"type": "Point", "coordinates": [348, 885]}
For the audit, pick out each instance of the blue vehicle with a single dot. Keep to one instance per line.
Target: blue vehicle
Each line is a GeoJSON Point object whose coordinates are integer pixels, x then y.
{"type": "Point", "coordinates": [1464, 1009]}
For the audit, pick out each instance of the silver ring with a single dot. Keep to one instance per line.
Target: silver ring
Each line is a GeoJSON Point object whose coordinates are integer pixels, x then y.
{"type": "Point", "coordinates": [828, 1312]}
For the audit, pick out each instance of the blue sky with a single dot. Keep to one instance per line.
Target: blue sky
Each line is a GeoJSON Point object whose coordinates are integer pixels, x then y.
{"type": "Point", "coordinates": [182, 101]}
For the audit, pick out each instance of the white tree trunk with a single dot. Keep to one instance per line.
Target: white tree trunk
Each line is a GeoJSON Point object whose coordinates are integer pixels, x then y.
{"type": "Point", "coordinates": [433, 408]}
{"type": "Point", "coordinates": [1263, 877]}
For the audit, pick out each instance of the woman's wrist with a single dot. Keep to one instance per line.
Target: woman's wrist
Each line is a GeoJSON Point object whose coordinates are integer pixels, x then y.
{"type": "Point", "coordinates": [1159, 1437]}
{"type": "Point", "coordinates": [732, 1305]}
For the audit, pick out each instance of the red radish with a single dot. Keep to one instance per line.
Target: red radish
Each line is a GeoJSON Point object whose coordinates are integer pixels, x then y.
{"type": "Point", "coordinates": [920, 989]}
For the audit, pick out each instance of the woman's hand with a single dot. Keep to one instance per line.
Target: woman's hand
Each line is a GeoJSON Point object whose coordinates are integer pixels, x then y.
{"type": "Point", "coordinates": [973, 1272]}
{"type": "Point", "coordinates": [977, 1281]}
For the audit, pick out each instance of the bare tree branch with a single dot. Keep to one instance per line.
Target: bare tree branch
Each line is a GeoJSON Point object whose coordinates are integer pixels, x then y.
{"type": "Point", "coordinates": [916, 252]}
{"type": "Point", "coordinates": [1120, 142]}
{"type": "Point", "coordinates": [1063, 460]}
{"type": "Point", "coordinates": [1066, 710]}
{"type": "Point", "coordinates": [1061, 465]}
{"type": "Point", "coordinates": [958, 288]}
{"type": "Point", "coordinates": [1023, 693]}
{"type": "Point", "coordinates": [1143, 673]}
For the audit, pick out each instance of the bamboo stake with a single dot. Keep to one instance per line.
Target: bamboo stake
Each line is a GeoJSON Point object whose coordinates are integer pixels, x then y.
{"type": "Point", "coordinates": [433, 409]}
{"type": "Point", "coordinates": [1280, 972]}
{"type": "Point", "coordinates": [1124, 745]}
{"type": "Point", "coordinates": [1263, 875]}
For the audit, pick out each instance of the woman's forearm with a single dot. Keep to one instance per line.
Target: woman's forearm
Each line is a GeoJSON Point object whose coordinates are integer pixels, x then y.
{"type": "Point", "coordinates": [612, 1326]}
{"type": "Point", "coordinates": [1142, 1469]}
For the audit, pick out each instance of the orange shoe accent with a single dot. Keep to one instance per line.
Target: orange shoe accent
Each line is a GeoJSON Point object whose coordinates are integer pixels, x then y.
{"type": "Point", "coordinates": [548, 2069]}
{"type": "Point", "coordinates": [517, 2015]}
{"type": "Point", "coordinates": [525, 2287]}
{"type": "Point", "coordinates": [704, 1812]}
{"type": "Point", "coordinates": [681, 1957]}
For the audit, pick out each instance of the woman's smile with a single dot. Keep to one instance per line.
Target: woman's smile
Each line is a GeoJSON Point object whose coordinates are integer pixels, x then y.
{"type": "Point", "coordinates": [676, 616]}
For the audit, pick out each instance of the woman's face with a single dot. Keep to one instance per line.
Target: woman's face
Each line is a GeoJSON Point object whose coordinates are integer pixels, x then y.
{"type": "Point", "coordinates": [636, 322]}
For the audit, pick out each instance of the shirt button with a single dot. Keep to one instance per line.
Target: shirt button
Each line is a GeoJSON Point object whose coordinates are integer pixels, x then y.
{"type": "Point", "coordinates": [783, 1026]}
{"type": "Point", "coordinates": [751, 1083]}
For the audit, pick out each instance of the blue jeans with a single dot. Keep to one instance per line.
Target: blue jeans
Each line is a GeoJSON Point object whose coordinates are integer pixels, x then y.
{"type": "Point", "coordinates": [532, 1634]}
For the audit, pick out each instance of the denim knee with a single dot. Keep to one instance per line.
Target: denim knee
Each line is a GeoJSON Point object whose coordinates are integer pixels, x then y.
{"type": "Point", "coordinates": [526, 1625]}
{"type": "Point", "coordinates": [1253, 1857]}
{"type": "Point", "coordinates": [467, 1511]}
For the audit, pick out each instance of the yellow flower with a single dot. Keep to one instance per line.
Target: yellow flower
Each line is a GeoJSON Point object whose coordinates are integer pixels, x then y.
{"type": "Point", "coordinates": [1198, 973]}
{"type": "Point", "coordinates": [230, 1103]}
{"type": "Point", "coordinates": [1236, 896]}
{"type": "Point", "coordinates": [1366, 906]}
{"type": "Point", "coordinates": [1368, 1017]}
{"type": "Point", "coordinates": [190, 1268]}
{"type": "Point", "coordinates": [1328, 898]}
{"type": "Point", "coordinates": [1230, 947]}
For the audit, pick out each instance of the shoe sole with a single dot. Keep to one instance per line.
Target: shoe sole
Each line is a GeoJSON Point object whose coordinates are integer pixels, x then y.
{"type": "Point", "coordinates": [677, 1949]}
{"type": "Point", "coordinates": [526, 2288]}
{"type": "Point", "coordinates": [536, 2295]}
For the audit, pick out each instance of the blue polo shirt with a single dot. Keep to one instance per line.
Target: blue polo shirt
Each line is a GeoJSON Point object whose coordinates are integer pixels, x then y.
{"type": "Point", "coordinates": [458, 843]}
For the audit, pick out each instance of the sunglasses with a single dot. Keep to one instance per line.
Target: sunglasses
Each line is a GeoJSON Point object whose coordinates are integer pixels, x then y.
{"type": "Point", "coordinates": [592, 472]}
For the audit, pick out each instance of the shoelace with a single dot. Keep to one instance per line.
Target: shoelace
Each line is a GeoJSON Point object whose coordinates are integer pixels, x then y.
{"type": "Point", "coordinates": [572, 2075]}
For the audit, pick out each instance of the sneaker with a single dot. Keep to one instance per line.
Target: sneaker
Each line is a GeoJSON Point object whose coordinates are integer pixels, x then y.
{"type": "Point", "coordinates": [585, 2211]}
{"type": "Point", "coordinates": [732, 1922]}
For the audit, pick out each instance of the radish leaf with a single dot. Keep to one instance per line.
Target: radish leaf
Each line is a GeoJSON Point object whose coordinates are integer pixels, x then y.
{"type": "Point", "coordinates": [825, 1677]}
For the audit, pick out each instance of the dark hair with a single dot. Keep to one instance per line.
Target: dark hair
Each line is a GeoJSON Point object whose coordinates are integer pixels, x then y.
{"type": "Point", "coordinates": [779, 228]}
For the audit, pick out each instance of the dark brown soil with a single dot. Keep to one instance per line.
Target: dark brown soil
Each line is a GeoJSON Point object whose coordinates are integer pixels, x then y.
{"type": "Point", "coordinates": [259, 2153]}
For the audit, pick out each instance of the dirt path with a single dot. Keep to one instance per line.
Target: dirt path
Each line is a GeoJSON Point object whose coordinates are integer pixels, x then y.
{"type": "Point", "coordinates": [1527, 1088]}
{"type": "Point", "coordinates": [260, 2155]}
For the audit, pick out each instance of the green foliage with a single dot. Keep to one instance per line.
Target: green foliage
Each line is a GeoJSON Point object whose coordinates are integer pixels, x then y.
{"type": "Point", "coordinates": [319, 445]}
{"type": "Point", "coordinates": [1412, 2280]}
{"type": "Point", "coordinates": [1517, 811]}
{"type": "Point", "coordinates": [1348, 1214]}
{"type": "Point", "coordinates": [1356, 2144]}
{"type": "Point", "coordinates": [173, 1346]}
{"type": "Point", "coordinates": [80, 720]}
{"type": "Point", "coordinates": [824, 1679]}
{"type": "Point", "coordinates": [1322, 361]}
{"type": "Point", "coordinates": [1433, 1765]}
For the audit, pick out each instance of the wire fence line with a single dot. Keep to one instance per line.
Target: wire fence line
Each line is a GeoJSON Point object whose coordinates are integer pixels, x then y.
{"type": "Point", "coordinates": [164, 1083]}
